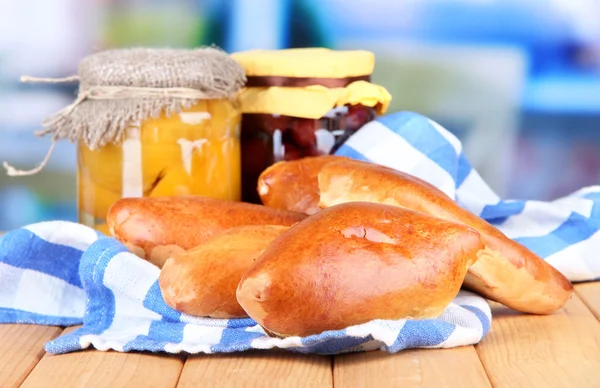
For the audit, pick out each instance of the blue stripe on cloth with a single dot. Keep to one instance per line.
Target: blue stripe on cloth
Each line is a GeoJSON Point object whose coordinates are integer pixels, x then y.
{"type": "Point", "coordinates": [350, 152]}
{"type": "Point", "coordinates": [594, 264]}
{"type": "Point", "coordinates": [159, 335]}
{"type": "Point", "coordinates": [66, 343]}
{"type": "Point", "coordinates": [240, 322]}
{"type": "Point", "coordinates": [595, 213]}
{"type": "Point", "coordinates": [485, 322]}
{"type": "Point", "coordinates": [100, 308]}
{"type": "Point", "coordinates": [464, 169]}
{"type": "Point", "coordinates": [19, 316]}
{"type": "Point", "coordinates": [500, 212]}
{"type": "Point", "coordinates": [168, 330]}
{"type": "Point", "coordinates": [594, 196]}
{"type": "Point", "coordinates": [331, 342]}
{"type": "Point", "coordinates": [24, 249]}
{"type": "Point", "coordinates": [155, 302]}
{"type": "Point", "coordinates": [235, 340]}
{"type": "Point", "coordinates": [575, 229]}
{"type": "Point", "coordinates": [418, 131]}
{"type": "Point", "coordinates": [421, 333]}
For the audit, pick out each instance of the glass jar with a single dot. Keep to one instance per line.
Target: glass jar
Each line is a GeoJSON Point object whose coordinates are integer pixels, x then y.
{"type": "Point", "coordinates": [195, 152]}
{"type": "Point", "coordinates": [268, 138]}
{"type": "Point", "coordinates": [150, 122]}
{"type": "Point", "coordinates": [302, 102]}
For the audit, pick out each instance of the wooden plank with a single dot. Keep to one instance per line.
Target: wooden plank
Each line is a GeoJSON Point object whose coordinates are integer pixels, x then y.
{"type": "Point", "coordinates": [105, 369]}
{"type": "Point", "coordinates": [257, 369]}
{"type": "Point", "coordinates": [21, 348]}
{"type": "Point", "coordinates": [558, 350]}
{"type": "Point", "coordinates": [457, 367]}
{"type": "Point", "coordinates": [92, 368]}
{"type": "Point", "coordinates": [589, 293]}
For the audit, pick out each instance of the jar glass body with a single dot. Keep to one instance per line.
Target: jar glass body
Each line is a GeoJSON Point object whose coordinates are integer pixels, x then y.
{"type": "Point", "coordinates": [195, 152]}
{"type": "Point", "coordinates": [267, 139]}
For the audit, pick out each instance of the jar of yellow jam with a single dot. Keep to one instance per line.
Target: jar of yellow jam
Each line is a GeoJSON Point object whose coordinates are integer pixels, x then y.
{"type": "Point", "coordinates": [194, 152]}
{"type": "Point", "coordinates": [151, 122]}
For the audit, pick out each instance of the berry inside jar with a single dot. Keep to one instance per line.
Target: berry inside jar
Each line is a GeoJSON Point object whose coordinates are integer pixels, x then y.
{"type": "Point", "coordinates": [270, 138]}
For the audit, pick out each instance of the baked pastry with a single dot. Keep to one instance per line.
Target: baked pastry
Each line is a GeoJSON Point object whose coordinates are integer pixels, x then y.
{"type": "Point", "coordinates": [293, 185]}
{"type": "Point", "coordinates": [203, 280]}
{"type": "Point", "coordinates": [156, 228]}
{"type": "Point", "coordinates": [506, 271]}
{"type": "Point", "coordinates": [355, 262]}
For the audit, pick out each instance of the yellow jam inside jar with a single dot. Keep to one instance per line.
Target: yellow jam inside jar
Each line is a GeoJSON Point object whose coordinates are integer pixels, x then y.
{"type": "Point", "coordinates": [195, 152]}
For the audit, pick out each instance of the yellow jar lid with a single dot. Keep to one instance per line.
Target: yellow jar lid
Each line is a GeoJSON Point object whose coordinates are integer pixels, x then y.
{"type": "Point", "coordinates": [306, 62]}
{"type": "Point", "coordinates": [312, 102]}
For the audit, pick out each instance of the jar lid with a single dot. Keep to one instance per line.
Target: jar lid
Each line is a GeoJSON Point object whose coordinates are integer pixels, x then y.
{"type": "Point", "coordinates": [209, 70]}
{"type": "Point", "coordinates": [123, 87]}
{"type": "Point", "coordinates": [306, 62]}
{"type": "Point", "coordinates": [312, 102]}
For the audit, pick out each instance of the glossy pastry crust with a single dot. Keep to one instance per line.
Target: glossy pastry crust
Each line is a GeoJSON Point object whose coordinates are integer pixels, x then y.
{"type": "Point", "coordinates": [203, 280]}
{"type": "Point", "coordinates": [157, 228]}
{"type": "Point", "coordinates": [506, 272]}
{"type": "Point", "coordinates": [356, 262]}
{"type": "Point", "coordinates": [293, 185]}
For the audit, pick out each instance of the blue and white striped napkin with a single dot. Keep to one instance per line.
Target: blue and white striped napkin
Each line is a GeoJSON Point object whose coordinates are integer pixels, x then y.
{"type": "Point", "coordinates": [61, 273]}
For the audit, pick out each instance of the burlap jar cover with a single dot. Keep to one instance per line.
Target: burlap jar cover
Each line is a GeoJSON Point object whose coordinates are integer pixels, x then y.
{"type": "Point", "coordinates": [121, 88]}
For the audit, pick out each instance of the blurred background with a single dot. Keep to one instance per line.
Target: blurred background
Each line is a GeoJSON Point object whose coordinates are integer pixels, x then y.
{"type": "Point", "coordinates": [517, 81]}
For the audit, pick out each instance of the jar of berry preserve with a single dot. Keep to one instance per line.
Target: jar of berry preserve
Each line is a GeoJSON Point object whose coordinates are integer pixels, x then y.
{"type": "Point", "coordinates": [152, 122]}
{"type": "Point", "coordinates": [302, 102]}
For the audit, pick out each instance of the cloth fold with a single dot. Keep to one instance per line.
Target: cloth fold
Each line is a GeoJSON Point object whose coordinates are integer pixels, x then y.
{"type": "Point", "coordinates": [62, 273]}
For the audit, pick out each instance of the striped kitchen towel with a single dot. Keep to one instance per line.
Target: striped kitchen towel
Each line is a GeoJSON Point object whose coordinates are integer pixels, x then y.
{"type": "Point", "coordinates": [61, 273]}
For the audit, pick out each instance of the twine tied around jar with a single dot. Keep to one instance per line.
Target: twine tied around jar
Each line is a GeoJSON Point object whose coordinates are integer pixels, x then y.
{"type": "Point", "coordinates": [121, 88]}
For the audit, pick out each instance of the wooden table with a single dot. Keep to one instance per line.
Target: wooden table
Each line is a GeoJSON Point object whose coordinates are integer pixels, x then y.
{"type": "Point", "coordinates": [561, 350]}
